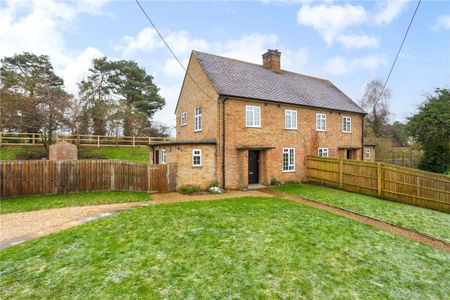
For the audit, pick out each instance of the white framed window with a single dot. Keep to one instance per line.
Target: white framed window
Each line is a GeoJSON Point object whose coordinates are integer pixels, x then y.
{"type": "Point", "coordinates": [163, 156]}
{"type": "Point", "coordinates": [183, 118]}
{"type": "Point", "coordinates": [288, 159]}
{"type": "Point", "coordinates": [290, 119]}
{"type": "Point", "coordinates": [323, 152]}
{"type": "Point", "coordinates": [198, 118]}
{"type": "Point", "coordinates": [368, 154]}
{"type": "Point", "coordinates": [252, 116]}
{"type": "Point", "coordinates": [321, 122]}
{"type": "Point", "coordinates": [196, 158]}
{"type": "Point", "coordinates": [347, 124]}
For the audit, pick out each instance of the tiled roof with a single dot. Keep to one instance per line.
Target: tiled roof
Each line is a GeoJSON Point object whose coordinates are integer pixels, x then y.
{"type": "Point", "coordinates": [246, 80]}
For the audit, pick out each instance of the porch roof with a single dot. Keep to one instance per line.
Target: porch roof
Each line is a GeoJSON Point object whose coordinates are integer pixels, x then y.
{"type": "Point", "coordinates": [254, 147]}
{"type": "Point", "coordinates": [175, 143]}
{"type": "Point", "coordinates": [348, 147]}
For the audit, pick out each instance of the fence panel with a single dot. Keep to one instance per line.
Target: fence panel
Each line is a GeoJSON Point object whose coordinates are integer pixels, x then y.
{"type": "Point", "coordinates": [388, 181]}
{"type": "Point", "coordinates": [46, 177]}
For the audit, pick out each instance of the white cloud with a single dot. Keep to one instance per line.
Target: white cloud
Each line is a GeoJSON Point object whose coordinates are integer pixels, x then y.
{"type": "Point", "coordinates": [38, 26]}
{"type": "Point", "coordinates": [388, 10]}
{"type": "Point", "coordinates": [247, 48]}
{"type": "Point", "coordinates": [357, 41]}
{"type": "Point", "coordinates": [442, 22]}
{"type": "Point", "coordinates": [340, 66]}
{"type": "Point", "coordinates": [330, 20]}
{"type": "Point", "coordinates": [78, 67]}
{"type": "Point", "coordinates": [145, 41]}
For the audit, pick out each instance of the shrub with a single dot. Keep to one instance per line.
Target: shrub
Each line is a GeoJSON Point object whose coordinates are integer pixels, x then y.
{"type": "Point", "coordinates": [189, 189]}
{"type": "Point", "coordinates": [274, 181]}
{"type": "Point", "coordinates": [32, 153]}
{"type": "Point", "coordinates": [215, 183]}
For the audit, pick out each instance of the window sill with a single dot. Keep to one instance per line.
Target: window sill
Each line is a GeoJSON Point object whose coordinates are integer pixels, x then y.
{"type": "Point", "coordinates": [346, 132]}
{"type": "Point", "coordinates": [197, 130]}
{"type": "Point", "coordinates": [290, 128]}
{"type": "Point", "coordinates": [253, 126]}
{"type": "Point", "coordinates": [289, 171]}
{"type": "Point", "coordinates": [321, 130]}
{"type": "Point", "coordinates": [197, 167]}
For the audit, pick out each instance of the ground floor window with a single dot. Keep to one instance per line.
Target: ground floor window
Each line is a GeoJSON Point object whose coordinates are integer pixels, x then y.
{"type": "Point", "coordinates": [196, 157]}
{"type": "Point", "coordinates": [163, 156]}
{"type": "Point", "coordinates": [288, 159]}
{"type": "Point", "coordinates": [367, 154]}
{"type": "Point", "coordinates": [323, 152]}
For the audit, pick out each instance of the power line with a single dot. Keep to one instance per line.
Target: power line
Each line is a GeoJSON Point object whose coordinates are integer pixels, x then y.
{"type": "Point", "coordinates": [170, 49]}
{"type": "Point", "coordinates": [398, 52]}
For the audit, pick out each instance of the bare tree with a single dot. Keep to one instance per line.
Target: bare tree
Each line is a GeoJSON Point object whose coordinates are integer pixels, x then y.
{"type": "Point", "coordinates": [376, 104]}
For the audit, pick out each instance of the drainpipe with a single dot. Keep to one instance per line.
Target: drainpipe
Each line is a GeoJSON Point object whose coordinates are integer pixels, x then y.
{"type": "Point", "coordinates": [362, 137]}
{"type": "Point", "coordinates": [223, 140]}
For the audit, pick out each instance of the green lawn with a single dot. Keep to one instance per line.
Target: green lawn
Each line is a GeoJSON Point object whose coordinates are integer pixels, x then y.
{"type": "Point", "coordinates": [44, 202]}
{"type": "Point", "coordinates": [423, 220]}
{"type": "Point", "coordinates": [138, 154]}
{"type": "Point", "coordinates": [242, 248]}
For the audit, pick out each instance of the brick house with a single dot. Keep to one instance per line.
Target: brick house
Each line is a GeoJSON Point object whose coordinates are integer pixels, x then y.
{"type": "Point", "coordinates": [240, 123]}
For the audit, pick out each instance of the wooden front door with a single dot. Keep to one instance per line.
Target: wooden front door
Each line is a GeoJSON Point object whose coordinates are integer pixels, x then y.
{"type": "Point", "coordinates": [253, 167]}
{"type": "Point", "coordinates": [156, 157]}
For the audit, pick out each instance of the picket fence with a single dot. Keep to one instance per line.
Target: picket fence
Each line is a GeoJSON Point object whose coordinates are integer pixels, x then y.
{"type": "Point", "coordinates": [388, 181]}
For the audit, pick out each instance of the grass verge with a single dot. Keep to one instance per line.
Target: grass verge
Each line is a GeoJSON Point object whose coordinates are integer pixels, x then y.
{"type": "Point", "coordinates": [138, 154]}
{"type": "Point", "coordinates": [423, 220]}
{"type": "Point", "coordinates": [239, 248]}
{"type": "Point", "coordinates": [31, 203]}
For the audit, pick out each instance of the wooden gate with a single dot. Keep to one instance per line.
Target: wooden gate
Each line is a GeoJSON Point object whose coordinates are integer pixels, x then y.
{"type": "Point", "coordinates": [162, 178]}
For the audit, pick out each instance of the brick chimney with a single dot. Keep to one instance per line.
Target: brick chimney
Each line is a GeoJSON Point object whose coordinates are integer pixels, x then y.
{"type": "Point", "coordinates": [271, 60]}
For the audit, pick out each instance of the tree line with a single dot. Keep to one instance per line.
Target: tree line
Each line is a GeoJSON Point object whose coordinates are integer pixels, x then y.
{"type": "Point", "coordinates": [428, 129]}
{"type": "Point", "coordinates": [117, 96]}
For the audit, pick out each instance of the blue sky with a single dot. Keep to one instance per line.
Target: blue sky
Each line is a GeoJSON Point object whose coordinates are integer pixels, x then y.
{"type": "Point", "coordinates": [347, 42]}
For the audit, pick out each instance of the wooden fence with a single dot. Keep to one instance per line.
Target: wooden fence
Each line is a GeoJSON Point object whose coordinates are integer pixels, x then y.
{"type": "Point", "coordinates": [402, 157]}
{"type": "Point", "coordinates": [35, 139]}
{"type": "Point", "coordinates": [393, 182]}
{"type": "Point", "coordinates": [46, 177]}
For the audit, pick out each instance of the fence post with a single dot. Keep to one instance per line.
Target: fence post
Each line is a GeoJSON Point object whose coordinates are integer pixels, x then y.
{"type": "Point", "coordinates": [134, 141]}
{"type": "Point", "coordinates": [379, 178]}
{"type": "Point", "coordinates": [33, 139]}
{"type": "Point", "coordinates": [341, 171]}
{"type": "Point", "coordinates": [98, 141]}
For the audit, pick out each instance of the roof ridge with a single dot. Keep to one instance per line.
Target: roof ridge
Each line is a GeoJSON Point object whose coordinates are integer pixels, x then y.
{"type": "Point", "coordinates": [258, 65]}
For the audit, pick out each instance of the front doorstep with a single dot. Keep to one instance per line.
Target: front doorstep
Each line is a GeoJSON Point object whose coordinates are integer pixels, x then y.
{"type": "Point", "coordinates": [256, 186]}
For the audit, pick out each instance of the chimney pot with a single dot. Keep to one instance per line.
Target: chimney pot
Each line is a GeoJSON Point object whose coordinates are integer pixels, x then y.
{"type": "Point", "coordinates": [271, 60]}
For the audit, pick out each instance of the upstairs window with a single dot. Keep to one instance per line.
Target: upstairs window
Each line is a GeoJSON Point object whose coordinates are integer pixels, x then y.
{"type": "Point", "coordinates": [321, 122]}
{"type": "Point", "coordinates": [346, 124]}
{"type": "Point", "coordinates": [252, 116]}
{"type": "Point", "coordinates": [323, 152]}
{"type": "Point", "coordinates": [290, 119]}
{"type": "Point", "coordinates": [198, 118]}
{"type": "Point", "coordinates": [367, 154]}
{"type": "Point", "coordinates": [196, 157]}
{"type": "Point", "coordinates": [183, 118]}
{"type": "Point", "coordinates": [288, 159]}
{"type": "Point", "coordinates": [163, 156]}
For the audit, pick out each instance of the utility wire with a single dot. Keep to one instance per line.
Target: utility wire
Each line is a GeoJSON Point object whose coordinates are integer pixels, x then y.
{"type": "Point", "coordinates": [398, 52]}
{"type": "Point", "coordinates": [170, 49]}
